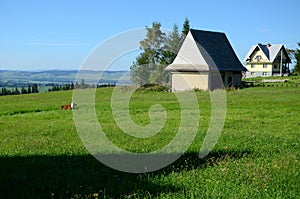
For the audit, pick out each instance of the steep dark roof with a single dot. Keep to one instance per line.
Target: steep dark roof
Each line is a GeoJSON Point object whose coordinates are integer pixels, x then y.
{"type": "Point", "coordinates": [217, 51]}
{"type": "Point", "coordinates": [265, 50]}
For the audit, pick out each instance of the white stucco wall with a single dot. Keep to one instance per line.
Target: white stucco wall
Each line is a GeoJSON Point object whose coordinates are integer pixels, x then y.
{"type": "Point", "coordinates": [189, 81]}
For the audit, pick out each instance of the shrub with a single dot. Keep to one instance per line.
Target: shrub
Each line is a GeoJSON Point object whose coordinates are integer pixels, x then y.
{"type": "Point", "coordinates": [154, 87]}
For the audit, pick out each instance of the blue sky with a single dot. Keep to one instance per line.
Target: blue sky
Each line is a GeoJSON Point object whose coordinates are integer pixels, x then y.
{"type": "Point", "coordinates": [60, 34]}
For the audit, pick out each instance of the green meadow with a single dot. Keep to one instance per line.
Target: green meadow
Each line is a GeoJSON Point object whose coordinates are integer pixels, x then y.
{"type": "Point", "coordinates": [257, 155]}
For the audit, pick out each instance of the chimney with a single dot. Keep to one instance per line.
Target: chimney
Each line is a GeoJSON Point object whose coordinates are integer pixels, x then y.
{"type": "Point", "coordinates": [268, 45]}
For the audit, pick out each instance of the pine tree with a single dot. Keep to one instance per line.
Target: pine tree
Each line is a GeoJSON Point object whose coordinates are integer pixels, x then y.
{"type": "Point", "coordinates": [296, 70]}
{"type": "Point", "coordinates": [16, 91]}
{"type": "Point", "coordinates": [35, 88]}
{"type": "Point", "coordinates": [23, 90]}
{"type": "Point", "coordinates": [29, 89]}
{"type": "Point", "coordinates": [173, 43]}
{"type": "Point", "coordinates": [185, 28]}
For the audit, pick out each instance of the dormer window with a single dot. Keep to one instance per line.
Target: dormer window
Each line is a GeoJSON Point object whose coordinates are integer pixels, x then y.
{"type": "Point", "coordinates": [258, 58]}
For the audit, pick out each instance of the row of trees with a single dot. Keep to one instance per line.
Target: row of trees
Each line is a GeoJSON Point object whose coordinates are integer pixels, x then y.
{"type": "Point", "coordinates": [81, 85]}
{"type": "Point", "coordinates": [63, 87]}
{"type": "Point", "coordinates": [70, 86]}
{"type": "Point", "coordinates": [158, 50]}
{"type": "Point", "coordinates": [30, 89]}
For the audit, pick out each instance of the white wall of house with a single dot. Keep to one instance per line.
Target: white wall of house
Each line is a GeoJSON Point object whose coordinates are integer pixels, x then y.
{"type": "Point", "coordinates": [188, 81]}
{"type": "Point", "coordinates": [182, 81]}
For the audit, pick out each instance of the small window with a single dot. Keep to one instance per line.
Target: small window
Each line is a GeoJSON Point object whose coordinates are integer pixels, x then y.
{"type": "Point", "coordinates": [265, 73]}
{"type": "Point", "coordinates": [252, 73]}
{"type": "Point", "coordinates": [275, 66]}
{"type": "Point", "coordinates": [265, 65]}
{"type": "Point", "coordinates": [258, 58]}
{"type": "Point", "coordinates": [252, 65]}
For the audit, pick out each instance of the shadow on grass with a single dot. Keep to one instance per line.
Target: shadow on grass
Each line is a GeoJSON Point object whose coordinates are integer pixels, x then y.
{"type": "Point", "coordinates": [85, 177]}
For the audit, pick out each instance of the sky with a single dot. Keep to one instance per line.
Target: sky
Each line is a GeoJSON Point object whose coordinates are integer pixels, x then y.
{"type": "Point", "coordinates": [61, 34]}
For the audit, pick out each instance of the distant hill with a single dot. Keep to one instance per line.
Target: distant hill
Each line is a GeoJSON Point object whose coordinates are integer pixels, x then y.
{"type": "Point", "coordinates": [62, 76]}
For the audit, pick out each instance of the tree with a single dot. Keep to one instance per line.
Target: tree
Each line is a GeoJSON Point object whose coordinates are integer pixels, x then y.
{"type": "Point", "coordinates": [153, 43]}
{"type": "Point", "coordinates": [144, 69]}
{"type": "Point", "coordinates": [16, 91]}
{"type": "Point", "coordinates": [296, 70]}
{"type": "Point", "coordinates": [4, 91]}
{"type": "Point", "coordinates": [158, 51]}
{"type": "Point", "coordinates": [29, 89]}
{"type": "Point", "coordinates": [172, 45]}
{"type": "Point", "coordinates": [23, 90]}
{"type": "Point", "coordinates": [140, 73]}
{"type": "Point", "coordinates": [35, 88]}
{"type": "Point", "coordinates": [185, 28]}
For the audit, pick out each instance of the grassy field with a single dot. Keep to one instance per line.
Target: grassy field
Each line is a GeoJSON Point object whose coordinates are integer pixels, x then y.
{"type": "Point", "coordinates": [258, 153]}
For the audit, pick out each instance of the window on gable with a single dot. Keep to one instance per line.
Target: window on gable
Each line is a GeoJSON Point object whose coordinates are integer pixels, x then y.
{"type": "Point", "coordinates": [258, 58]}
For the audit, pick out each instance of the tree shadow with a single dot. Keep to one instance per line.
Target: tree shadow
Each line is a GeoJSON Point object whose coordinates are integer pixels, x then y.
{"type": "Point", "coordinates": [82, 176]}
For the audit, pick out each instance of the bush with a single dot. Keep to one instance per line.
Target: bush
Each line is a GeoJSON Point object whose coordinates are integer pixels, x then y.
{"type": "Point", "coordinates": [154, 87]}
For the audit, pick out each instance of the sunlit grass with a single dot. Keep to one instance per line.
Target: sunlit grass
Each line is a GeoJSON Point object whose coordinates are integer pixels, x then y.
{"type": "Point", "coordinates": [257, 155]}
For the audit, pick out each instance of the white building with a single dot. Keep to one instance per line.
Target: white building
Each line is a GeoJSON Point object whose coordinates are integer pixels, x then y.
{"type": "Point", "coordinates": [205, 61]}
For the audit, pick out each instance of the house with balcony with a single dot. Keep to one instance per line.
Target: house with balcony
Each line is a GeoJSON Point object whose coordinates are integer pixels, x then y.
{"type": "Point", "coordinates": [264, 60]}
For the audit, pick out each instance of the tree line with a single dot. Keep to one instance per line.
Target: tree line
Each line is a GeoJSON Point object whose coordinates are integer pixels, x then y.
{"type": "Point", "coordinates": [33, 88]}
{"type": "Point", "coordinates": [158, 50]}
{"type": "Point", "coordinates": [81, 85]}
{"type": "Point", "coordinates": [30, 89]}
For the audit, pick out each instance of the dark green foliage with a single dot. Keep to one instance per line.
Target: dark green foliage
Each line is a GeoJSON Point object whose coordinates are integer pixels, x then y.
{"type": "Point", "coordinates": [29, 89]}
{"type": "Point", "coordinates": [140, 69]}
{"type": "Point", "coordinates": [296, 70]}
{"type": "Point", "coordinates": [146, 69]}
{"type": "Point", "coordinates": [23, 90]}
{"type": "Point", "coordinates": [159, 50]}
{"type": "Point", "coordinates": [154, 88]}
{"type": "Point", "coordinates": [35, 88]}
{"type": "Point", "coordinates": [173, 43]}
{"type": "Point", "coordinates": [186, 27]}
{"type": "Point", "coordinates": [16, 91]}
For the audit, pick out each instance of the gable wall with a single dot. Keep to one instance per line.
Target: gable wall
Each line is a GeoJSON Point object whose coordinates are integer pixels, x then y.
{"type": "Point", "coordinates": [262, 54]}
{"type": "Point", "coordinates": [189, 53]}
